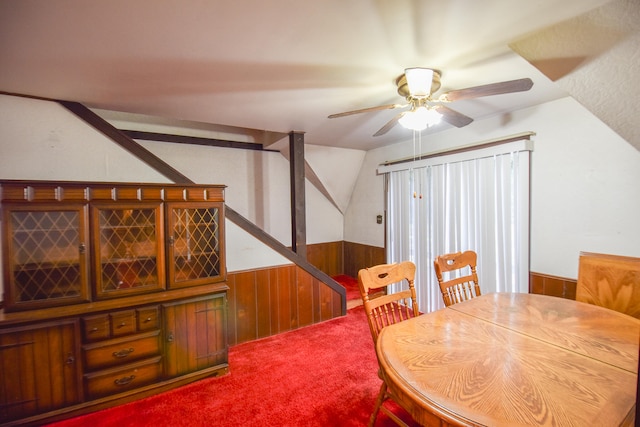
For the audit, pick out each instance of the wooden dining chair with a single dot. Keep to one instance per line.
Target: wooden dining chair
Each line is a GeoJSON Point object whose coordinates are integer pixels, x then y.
{"type": "Point", "coordinates": [610, 281]}
{"type": "Point", "coordinates": [461, 281]}
{"type": "Point", "coordinates": [384, 309]}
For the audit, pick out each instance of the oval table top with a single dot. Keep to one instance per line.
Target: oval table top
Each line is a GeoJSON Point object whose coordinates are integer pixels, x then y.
{"type": "Point", "coordinates": [515, 359]}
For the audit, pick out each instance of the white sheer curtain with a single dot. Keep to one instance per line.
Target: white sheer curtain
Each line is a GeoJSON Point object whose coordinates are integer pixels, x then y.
{"type": "Point", "coordinates": [477, 200]}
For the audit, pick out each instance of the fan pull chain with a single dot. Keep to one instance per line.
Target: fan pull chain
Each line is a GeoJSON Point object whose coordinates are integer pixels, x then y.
{"type": "Point", "coordinates": [413, 180]}
{"type": "Point", "coordinates": [415, 183]}
{"type": "Point", "coordinates": [420, 154]}
{"type": "Point", "coordinates": [417, 188]}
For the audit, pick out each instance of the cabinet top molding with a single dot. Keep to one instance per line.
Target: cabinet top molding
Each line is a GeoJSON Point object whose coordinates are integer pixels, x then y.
{"type": "Point", "coordinates": [83, 192]}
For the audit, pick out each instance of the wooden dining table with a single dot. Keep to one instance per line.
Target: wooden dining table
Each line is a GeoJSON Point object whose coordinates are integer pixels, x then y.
{"type": "Point", "coordinates": [514, 359]}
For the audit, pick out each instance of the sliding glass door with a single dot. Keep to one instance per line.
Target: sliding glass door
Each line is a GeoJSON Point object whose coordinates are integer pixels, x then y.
{"type": "Point", "coordinates": [477, 200]}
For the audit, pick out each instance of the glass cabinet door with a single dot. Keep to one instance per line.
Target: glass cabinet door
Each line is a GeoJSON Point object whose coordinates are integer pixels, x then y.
{"type": "Point", "coordinates": [128, 248]}
{"type": "Point", "coordinates": [195, 235]}
{"type": "Point", "coordinates": [46, 255]}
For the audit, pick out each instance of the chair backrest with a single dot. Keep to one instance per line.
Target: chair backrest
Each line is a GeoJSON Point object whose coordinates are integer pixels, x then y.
{"type": "Point", "coordinates": [461, 282]}
{"type": "Point", "coordinates": [610, 281]}
{"type": "Point", "coordinates": [384, 308]}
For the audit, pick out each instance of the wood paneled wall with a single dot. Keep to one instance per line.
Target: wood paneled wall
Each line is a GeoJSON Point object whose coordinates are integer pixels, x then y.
{"type": "Point", "coordinates": [269, 301]}
{"type": "Point", "coordinates": [348, 258]}
{"type": "Point", "coordinates": [358, 256]}
{"type": "Point", "coordinates": [552, 285]}
{"type": "Point", "coordinates": [272, 300]}
{"type": "Point", "coordinates": [344, 257]}
{"type": "Point", "coordinates": [327, 257]}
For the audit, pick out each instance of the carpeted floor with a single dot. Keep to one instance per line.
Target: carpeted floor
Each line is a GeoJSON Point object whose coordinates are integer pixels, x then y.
{"type": "Point", "coordinates": [353, 291]}
{"type": "Point", "coordinates": [320, 375]}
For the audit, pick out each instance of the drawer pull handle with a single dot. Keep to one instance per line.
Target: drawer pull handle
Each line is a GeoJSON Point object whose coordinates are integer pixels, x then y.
{"type": "Point", "coordinates": [148, 319]}
{"type": "Point", "coordinates": [124, 380]}
{"type": "Point", "coordinates": [94, 330]}
{"type": "Point", "coordinates": [123, 353]}
{"type": "Point", "coordinates": [123, 324]}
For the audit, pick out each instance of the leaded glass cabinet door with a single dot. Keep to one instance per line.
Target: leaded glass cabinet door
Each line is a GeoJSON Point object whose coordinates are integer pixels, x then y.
{"type": "Point", "coordinates": [46, 255]}
{"type": "Point", "coordinates": [195, 236]}
{"type": "Point", "coordinates": [128, 248]}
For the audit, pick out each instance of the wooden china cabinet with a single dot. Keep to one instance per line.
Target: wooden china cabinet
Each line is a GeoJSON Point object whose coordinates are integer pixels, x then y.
{"type": "Point", "coordinates": [112, 292]}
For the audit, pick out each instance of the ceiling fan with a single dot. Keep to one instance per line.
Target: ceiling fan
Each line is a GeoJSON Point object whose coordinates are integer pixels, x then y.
{"type": "Point", "coordinates": [418, 85]}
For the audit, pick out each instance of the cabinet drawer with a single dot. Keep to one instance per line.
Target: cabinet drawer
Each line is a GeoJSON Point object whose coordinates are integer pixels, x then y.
{"type": "Point", "coordinates": [118, 380]}
{"type": "Point", "coordinates": [96, 327]}
{"type": "Point", "coordinates": [123, 323]}
{"type": "Point", "coordinates": [121, 351]}
{"type": "Point", "coordinates": [147, 318]}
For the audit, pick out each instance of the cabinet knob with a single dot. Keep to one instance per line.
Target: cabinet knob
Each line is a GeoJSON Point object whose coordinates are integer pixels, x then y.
{"type": "Point", "coordinates": [82, 248]}
{"type": "Point", "coordinates": [170, 337]}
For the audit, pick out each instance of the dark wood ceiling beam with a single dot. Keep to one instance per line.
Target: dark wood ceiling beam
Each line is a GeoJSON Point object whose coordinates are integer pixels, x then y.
{"type": "Point", "coordinates": [182, 139]}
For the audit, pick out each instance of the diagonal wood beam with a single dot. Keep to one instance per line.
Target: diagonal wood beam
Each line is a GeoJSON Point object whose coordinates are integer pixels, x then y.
{"type": "Point", "coordinates": [313, 178]}
{"type": "Point", "coordinates": [126, 142]}
{"type": "Point", "coordinates": [296, 141]}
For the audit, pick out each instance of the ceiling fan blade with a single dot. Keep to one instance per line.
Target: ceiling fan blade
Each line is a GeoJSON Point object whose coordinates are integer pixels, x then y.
{"type": "Point", "coordinates": [511, 86]}
{"type": "Point", "coordinates": [390, 124]}
{"type": "Point", "coordinates": [453, 117]}
{"type": "Point", "coordinates": [367, 110]}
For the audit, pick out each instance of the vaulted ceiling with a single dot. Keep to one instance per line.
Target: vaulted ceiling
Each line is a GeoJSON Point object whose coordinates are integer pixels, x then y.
{"type": "Point", "coordinates": [251, 69]}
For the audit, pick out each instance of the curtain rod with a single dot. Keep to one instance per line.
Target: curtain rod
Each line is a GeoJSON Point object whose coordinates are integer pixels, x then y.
{"type": "Point", "coordinates": [465, 148]}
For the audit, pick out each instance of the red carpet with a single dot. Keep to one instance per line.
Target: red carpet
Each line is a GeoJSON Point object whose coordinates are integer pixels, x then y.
{"type": "Point", "coordinates": [320, 375]}
{"type": "Point", "coordinates": [350, 284]}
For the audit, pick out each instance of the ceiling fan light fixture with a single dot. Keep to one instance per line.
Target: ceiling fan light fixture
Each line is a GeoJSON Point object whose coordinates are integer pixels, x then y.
{"type": "Point", "coordinates": [419, 81]}
{"type": "Point", "coordinates": [420, 118]}
{"type": "Point", "coordinates": [417, 85]}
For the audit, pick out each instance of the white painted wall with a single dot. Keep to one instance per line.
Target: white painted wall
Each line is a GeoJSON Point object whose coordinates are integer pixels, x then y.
{"type": "Point", "coordinates": [42, 140]}
{"type": "Point", "coordinates": [245, 173]}
{"type": "Point", "coordinates": [585, 190]}
{"type": "Point", "coordinates": [257, 187]}
{"type": "Point", "coordinates": [244, 252]}
{"type": "Point", "coordinates": [337, 168]}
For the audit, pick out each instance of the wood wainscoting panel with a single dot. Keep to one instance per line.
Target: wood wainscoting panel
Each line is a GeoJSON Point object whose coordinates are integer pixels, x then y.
{"type": "Point", "coordinates": [265, 302]}
{"type": "Point", "coordinates": [304, 300]}
{"type": "Point", "coordinates": [242, 309]}
{"type": "Point", "coordinates": [358, 256]}
{"type": "Point", "coordinates": [327, 257]}
{"type": "Point", "coordinates": [545, 284]}
{"type": "Point", "coordinates": [266, 282]}
{"type": "Point", "coordinates": [335, 258]}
